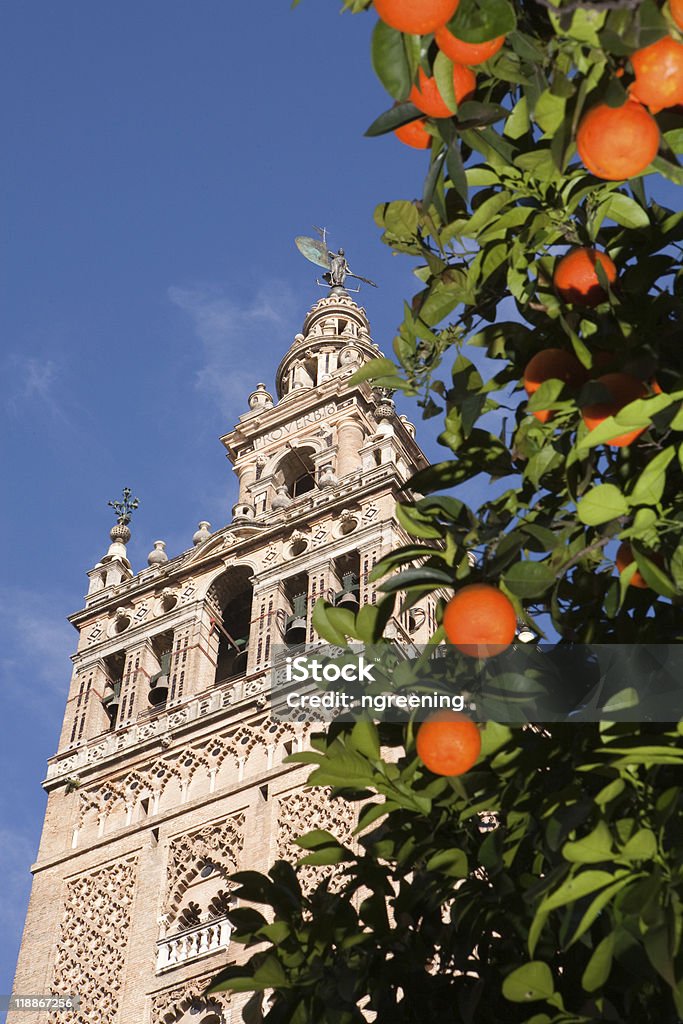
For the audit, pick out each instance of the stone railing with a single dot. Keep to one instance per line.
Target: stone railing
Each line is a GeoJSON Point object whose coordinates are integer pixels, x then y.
{"type": "Point", "coordinates": [153, 725]}
{"type": "Point", "coordinates": [192, 943]}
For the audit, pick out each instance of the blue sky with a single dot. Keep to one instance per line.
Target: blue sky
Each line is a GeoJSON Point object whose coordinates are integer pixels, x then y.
{"type": "Point", "coordinates": [160, 157]}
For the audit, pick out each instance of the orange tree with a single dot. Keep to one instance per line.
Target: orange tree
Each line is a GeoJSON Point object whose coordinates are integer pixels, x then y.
{"type": "Point", "coordinates": [566, 904]}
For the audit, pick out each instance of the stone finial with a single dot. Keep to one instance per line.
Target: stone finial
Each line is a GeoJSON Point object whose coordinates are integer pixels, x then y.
{"type": "Point", "coordinates": [384, 404]}
{"type": "Point", "coordinates": [327, 477]}
{"type": "Point", "coordinates": [261, 398]}
{"type": "Point", "coordinates": [202, 534]}
{"type": "Point", "coordinates": [120, 535]}
{"type": "Point", "coordinates": [410, 427]}
{"type": "Point", "coordinates": [282, 497]}
{"type": "Point", "coordinates": [157, 555]}
{"type": "Point", "coordinates": [243, 511]}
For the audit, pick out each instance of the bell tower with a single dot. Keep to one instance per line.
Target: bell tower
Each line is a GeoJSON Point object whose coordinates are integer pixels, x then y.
{"type": "Point", "coordinates": [169, 776]}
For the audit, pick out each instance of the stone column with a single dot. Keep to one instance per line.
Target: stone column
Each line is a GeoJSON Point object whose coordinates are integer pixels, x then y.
{"type": "Point", "coordinates": [350, 439]}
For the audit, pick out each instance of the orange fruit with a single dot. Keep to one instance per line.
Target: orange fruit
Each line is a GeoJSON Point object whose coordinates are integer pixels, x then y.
{"type": "Point", "coordinates": [659, 74]}
{"type": "Point", "coordinates": [418, 17]}
{"type": "Point", "coordinates": [480, 620]}
{"type": "Point", "coordinates": [625, 558]}
{"type": "Point", "coordinates": [616, 143]}
{"type": "Point", "coordinates": [448, 743]}
{"type": "Point", "coordinates": [427, 98]}
{"type": "Point", "coordinates": [466, 53]}
{"type": "Point", "coordinates": [676, 8]}
{"type": "Point", "coordinates": [414, 134]}
{"type": "Point", "coordinates": [576, 279]}
{"type": "Point", "coordinates": [552, 364]}
{"type": "Point", "coordinates": [623, 389]}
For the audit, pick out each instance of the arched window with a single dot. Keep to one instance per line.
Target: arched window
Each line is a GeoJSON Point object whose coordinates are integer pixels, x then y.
{"type": "Point", "coordinates": [296, 472]}
{"type": "Point", "coordinates": [230, 597]}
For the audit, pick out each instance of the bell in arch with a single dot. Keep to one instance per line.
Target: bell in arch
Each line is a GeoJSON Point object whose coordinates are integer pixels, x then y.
{"type": "Point", "coordinates": [111, 702]}
{"type": "Point", "coordinates": [158, 684]}
{"type": "Point", "coordinates": [239, 665]}
{"type": "Point", "coordinates": [295, 626]}
{"type": "Point", "coordinates": [347, 597]}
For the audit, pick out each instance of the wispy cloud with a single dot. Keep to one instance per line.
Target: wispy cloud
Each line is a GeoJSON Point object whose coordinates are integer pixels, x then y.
{"type": "Point", "coordinates": [239, 336]}
{"type": "Point", "coordinates": [32, 380]}
{"type": "Point", "coordinates": [37, 642]}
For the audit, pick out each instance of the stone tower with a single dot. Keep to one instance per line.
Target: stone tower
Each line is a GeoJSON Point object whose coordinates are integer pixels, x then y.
{"type": "Point", "coordinates": [169, 773]}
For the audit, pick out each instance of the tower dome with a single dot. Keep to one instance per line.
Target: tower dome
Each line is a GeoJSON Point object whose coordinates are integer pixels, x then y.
{"type": "Point", "coordinates": [335, 338]}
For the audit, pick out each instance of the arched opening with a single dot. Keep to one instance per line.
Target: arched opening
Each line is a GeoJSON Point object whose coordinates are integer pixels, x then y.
{"type": "Point", "coordinates": [296, 620]}
{"type": "Point", "coordinates": [347, 568]}
{"type": "Point", "coordinates": [111, 699]}
{"type": "Point", "coordinates": [230, 597]}
{"type": "Point", "coordinates": [198, 925]}
{"type": "Point", "coordinates": [296, 472]}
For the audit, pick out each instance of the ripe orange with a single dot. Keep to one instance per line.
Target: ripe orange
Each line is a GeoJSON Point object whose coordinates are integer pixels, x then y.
{"type": "Point", "coordinates": [416, 16]}
{"type": "Point", "coordinates": [427, 98]}
{"type": "Point", "coordinates": [623, 389]}
{"type": "Point", "coordinates": [659, 74]}
{"type": "Point", "coordinates": [466, 53]}
{"type": "Point", "coordinates": [549, 364]}
{"type": "Point", "coordinates": [448, 743]}
{"type": "Point", "coordinates": [480, 620]}
{"type": "Point", "coordinates": [625, 558]}
{"type": "Point", "coordinates": [576, 278]}
{"type": "Point", "coordinates": [616, 143]}
{"type": "Point", "coordinates": [676, 8]}
{"type": "Point", "coordinates": [414, 134]}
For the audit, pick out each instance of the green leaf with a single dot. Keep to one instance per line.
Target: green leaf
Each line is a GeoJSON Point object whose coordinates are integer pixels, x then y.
{"type": "Point", "coordinates": [332, 624]}
{"type": "Point", "coordinates": [400, 218]}
{"type": "Point", "coordinates": [598, 905]}
{"type": "Point", "coordinates": [443, 75]}
{"type": "Point", "coordinates": [575, 888]}
{"type": "Point", "coordinates": [600, 964]}
{"type": "Point", "coordinates": [416, 524]}
{"type": "Point", "coordinates": [529, 983]}
{"type": "Point", "coordinates": [602, 504]}
{"type": "Point", "coordinates": [641, 846]}
{"type": "Point", "coordinates": [657, 942]}
{"type": "Point", "coordinates": [529, 579]}
{"type": "Point", "coordinates": [624, 210]}
{"type": "Point", "coordinates": [417, 577]}
{"type": "Point", "coordinates": [379, 367]}
{"type": "Point", "coordinates": [315, 839]}
{"type": "Point", "coordinates": [481, 20]}
{"type": "Point", "coordinates": [389, 60]}
{"type": "Point", "coordinates": [365, 739]}
{"type": "Point", "coordinates": [392, 119]}
{"type": "Point", "coordinates": [649, 487]}
{"type": "Point", "coordinates": [593, 848]}
{"type": "Point", "coordinates": [452, 863]}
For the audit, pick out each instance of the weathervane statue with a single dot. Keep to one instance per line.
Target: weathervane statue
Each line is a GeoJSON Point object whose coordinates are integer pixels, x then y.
{"type": "Point", "coordinates": [335, 263]}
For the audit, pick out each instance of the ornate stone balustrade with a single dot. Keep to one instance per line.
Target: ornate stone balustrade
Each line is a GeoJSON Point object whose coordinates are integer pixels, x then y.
{"type": "Point", "coordinates": [192, 943]}
{"type": "Point", "coordinates": [152, 725]}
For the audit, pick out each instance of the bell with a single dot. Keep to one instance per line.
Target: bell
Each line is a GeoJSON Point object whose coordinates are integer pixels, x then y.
{"type": "Point", "coordinates": [348, 596]}
{"type": "Point", "coordinates": [158, 695]}
{"type": "Point", "coordinates": [239, 664]}
{"type": "Point", "coordinates": [295, 626]}
{"type": "Point", "coordinates": [158, 684]}
{"type": "Point", "coordinates": [111, 702]}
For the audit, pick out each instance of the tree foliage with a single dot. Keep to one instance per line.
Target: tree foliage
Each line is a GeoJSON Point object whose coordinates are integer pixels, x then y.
{"type": "Point", "coordinates": [566, 904]}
